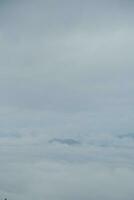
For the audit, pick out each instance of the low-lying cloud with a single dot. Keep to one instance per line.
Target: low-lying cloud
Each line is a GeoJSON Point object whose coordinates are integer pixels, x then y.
{"type": "Point", "coordinates": [67, 141]}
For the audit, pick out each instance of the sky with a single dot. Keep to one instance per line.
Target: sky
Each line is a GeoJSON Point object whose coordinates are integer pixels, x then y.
{"type": "Point", "coordinates": [66, 99]}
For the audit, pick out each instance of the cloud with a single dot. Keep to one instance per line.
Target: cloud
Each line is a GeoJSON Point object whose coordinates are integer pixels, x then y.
{"type": "Point", "coordinates": [125, 136]}
{"type": "Point", "coordinates": [58, 180]}
{"type": "Point", "coordinates": [66, 79]}
{"type": "Point", "coordinates": [67, 141]}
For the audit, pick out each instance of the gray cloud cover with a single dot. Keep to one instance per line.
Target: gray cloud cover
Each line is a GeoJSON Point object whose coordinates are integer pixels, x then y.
{"type": "Point", "coordinates": [66, 76]}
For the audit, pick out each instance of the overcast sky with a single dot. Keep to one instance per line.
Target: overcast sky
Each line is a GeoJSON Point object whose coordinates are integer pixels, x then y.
{"type": "Point", "coordinates": [67, 99]}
